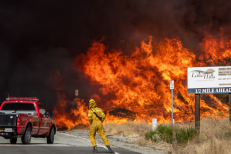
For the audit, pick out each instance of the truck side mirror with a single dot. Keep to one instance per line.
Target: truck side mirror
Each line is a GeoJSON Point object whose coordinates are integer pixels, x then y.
{"type": "Point", "coordinates": [51, 113]}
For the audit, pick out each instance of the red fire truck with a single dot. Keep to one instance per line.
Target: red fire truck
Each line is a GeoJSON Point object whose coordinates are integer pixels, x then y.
{"type": "Point", "coordinates": [25, 117]}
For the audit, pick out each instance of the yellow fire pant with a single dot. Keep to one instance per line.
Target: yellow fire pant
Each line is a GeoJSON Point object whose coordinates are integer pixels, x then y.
{"type": "Point", "coordinates": [97, 127]}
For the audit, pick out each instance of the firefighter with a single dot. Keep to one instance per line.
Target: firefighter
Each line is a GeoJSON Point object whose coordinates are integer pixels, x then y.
{"type": "Point", "coordinates": [96, 118]}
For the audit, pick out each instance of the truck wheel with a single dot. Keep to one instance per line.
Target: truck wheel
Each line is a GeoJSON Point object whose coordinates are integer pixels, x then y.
{"type": "Point", "coordinates": [26, 138]}
{"type": "Point", "coordinates": [13, 140]}
{"type": "Point", "coordinates": [50, 138]}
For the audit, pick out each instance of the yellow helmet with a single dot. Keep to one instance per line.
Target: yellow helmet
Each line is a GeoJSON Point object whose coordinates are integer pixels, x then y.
{"type": "Point", "coordinates": [91, 101]}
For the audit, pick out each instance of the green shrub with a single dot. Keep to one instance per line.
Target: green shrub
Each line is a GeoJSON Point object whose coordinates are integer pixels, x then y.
{"type": "Point", "coordinates": [184, 135]}
{"type": "Point", "coordinates": [149, 135]}
{"type": "Point", "coordinates": [165, 133]}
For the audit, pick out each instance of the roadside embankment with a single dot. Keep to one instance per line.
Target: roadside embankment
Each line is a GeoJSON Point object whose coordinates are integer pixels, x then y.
{"type": "Point", "coordinates": [214, 137]}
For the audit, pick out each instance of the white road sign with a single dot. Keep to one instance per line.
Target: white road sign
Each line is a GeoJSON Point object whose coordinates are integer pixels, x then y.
{"type": "Point", "coordinates": [76, 92]}
{"type": "Point", "coordinates": [154, 124]}
{"type": "Point", "coordinates": [209, 80]}
{"type": "Point", "coordinates": [172, 84]}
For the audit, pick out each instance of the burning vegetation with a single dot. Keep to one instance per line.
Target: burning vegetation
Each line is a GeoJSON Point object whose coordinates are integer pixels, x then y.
{"type": "Point", "coordinates": [136, 87]}
{"type": "Point", "coordinates": [129, 84]}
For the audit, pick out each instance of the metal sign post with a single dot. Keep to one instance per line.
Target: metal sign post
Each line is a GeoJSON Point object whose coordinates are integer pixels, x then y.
{"type": "Point", "coordinates": [230, 107]}
{"type": "Point", "coordinates": [76, 99]}
{"type": "Point", "coordinates": [197, 112]}
{"type": "Point", "coordinates": [172, 87]}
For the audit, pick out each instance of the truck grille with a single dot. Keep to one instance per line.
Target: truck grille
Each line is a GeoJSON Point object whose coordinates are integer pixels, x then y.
{"type": "Point", "coordinates": [7, 120]}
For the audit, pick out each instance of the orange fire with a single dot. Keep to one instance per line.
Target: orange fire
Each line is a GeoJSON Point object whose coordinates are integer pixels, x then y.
{"type": "Point", "coordinates": [140, 82]}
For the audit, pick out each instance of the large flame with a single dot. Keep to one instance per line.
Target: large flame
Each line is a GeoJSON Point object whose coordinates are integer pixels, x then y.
{"type": "Point", "coordinates": [140, 82]}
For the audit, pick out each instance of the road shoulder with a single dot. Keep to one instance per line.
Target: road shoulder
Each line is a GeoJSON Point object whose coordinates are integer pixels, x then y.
{"type": "Point", "coordinates": [115, 141]}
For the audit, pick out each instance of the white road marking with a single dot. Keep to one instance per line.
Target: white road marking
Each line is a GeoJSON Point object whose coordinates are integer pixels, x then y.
{"type": "Point", "coordinates": [88, 140]}
{"type": "Point", "coordinates": [31, 145]}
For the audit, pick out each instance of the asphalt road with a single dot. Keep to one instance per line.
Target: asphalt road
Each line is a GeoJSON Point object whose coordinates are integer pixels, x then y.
{"type": "Point", "coordinates": [64, 144]}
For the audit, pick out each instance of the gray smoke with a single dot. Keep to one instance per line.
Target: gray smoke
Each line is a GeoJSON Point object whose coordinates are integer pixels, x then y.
{"type": "Point", "coordinates": [40, 37]}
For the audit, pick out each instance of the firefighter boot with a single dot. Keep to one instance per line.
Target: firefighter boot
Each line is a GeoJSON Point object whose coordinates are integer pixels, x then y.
{"type": "Point", "coordinates": [109, 150]}
{"type": "Point", "coordinates": [95, 149]}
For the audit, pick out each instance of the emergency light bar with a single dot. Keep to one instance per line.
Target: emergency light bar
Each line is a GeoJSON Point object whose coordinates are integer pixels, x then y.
{"type": "Point", "coordinates": [22, 98]}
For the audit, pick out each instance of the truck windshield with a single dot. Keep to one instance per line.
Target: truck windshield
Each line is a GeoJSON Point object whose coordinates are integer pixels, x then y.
{"type": "Point", "coordinates": [18, 106]}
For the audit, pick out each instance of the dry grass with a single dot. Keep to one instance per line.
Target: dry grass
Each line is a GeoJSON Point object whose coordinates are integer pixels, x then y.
{"type": "Point", "coordinates": [214, 138]}
{"type": "Point", "coordinates": [132, 130]}
{"type": "Point", "coordinates": [128, 129]}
